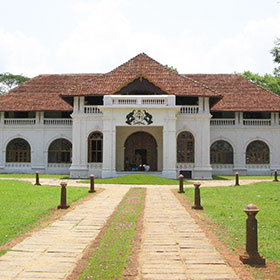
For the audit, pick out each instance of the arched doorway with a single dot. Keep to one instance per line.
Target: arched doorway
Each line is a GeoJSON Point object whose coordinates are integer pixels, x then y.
{"type": "Point", "coordinates": [140, 149]}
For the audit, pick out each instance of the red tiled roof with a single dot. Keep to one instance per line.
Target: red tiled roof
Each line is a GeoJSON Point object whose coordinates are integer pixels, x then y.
{"type": "Point", "coordinates": [45, 92]}
{"type": "Point", "coordinates": [42, 93]}
{"type": "Point", "coordinates": [239, 94]}
{"type": "Point", "coordinates": [142, 66]}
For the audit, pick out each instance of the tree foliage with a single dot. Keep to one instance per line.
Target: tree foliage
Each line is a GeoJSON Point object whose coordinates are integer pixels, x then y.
{"type": "Point", "coordinates": [9, 81]}
{"type": "Point", "coordinates": [276, 57]}
{"type": "Point", "coordinates": [267, 81]}
{"type": "Point", "coordinates": [171, 68]}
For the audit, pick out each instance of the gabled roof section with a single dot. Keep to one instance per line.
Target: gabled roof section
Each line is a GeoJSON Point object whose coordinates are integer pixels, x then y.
{"type": "Point", "coordinates": [239, 94]}
{"type": "Point", "coordinates": [142, 66]}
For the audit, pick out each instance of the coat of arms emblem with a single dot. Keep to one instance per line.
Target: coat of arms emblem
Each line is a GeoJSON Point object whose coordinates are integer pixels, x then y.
{"type": "Point", "coordinates": [139, 117]}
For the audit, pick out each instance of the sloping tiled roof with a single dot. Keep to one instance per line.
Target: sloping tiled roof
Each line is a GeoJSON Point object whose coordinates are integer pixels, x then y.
{"type": "Point", "coordinates": [45, 92]}
{"type": "Point", "coordinates": [239, 94]}
{"type": "Point", "coordinates": [42, 93]}
{"type": "Point", "coordinates": [142, 66]}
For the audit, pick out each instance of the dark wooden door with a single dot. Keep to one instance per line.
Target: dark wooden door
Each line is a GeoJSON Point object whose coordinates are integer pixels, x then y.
{"type": "Point", "coordinates": [140, 148]}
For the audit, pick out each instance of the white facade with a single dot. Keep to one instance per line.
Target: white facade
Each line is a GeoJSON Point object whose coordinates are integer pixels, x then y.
{"type": "Point", "coordinates": [168, 121]}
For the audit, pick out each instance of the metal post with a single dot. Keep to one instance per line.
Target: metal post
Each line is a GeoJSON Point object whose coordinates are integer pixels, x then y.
{"type": "Point", "coordinates": [91, 190]}
{"type": "Point", "coordinates": [63, 203]}
{"type": "Point", "coordinates": [275, 176]}
{"type": "Point", "coordinates": [237, 179]}
{"type": "Point", "coordinates": [252, 256]}
{"type": "Point", "coordinates": [37, 183]}
{"type": "Point", "coordinates": [181, 184]}
{"type": "Point", "coordinates": [197, 204]}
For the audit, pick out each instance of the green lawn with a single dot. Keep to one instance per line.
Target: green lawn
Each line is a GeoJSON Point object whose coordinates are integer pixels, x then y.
{"type": "Point", "coordinates": [110, 258]}
{"type": "Point", "coordinates": [225, 207]}
{"type": "Point", "coordinates": [232, 177]}
{"type": "Point", "coordinates": [23, 205]}
{"type": "Point", "coordinates": [137, 179]}
{"type": "Point", "coordinates": [18, 175]}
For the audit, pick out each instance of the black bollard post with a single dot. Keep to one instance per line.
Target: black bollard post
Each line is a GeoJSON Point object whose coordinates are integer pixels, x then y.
{"type": "Point", "coordinates": [91, 190]}
{"type": "Point", "coordinates": [181, 184]}
{"type": "Point", "coordinates": [197, 204]}
{"type": "Point", "coordinates": [275, 176]}
{"type": "Point", "coordinates": [252, 256]}
{"type": "Point", "coordinates": [237, 179]}
{"type": "Point", "coordinates": [37, 183]}
{"type": "Point", "coordinates": [63, 203]}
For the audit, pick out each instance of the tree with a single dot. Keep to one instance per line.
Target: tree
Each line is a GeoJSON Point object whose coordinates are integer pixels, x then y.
{"type": "Point", "coordinates": [9, 81]}
{"type": "Point", "coordinates": [171, 68]}
{"type": "Point", "coordinates": [267, 81]}
{"type": "Point", "coordinates": [276, 57]}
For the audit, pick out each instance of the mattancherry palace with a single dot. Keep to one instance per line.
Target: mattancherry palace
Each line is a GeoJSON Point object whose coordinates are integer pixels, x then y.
{"type": "Point", "coordinates": [140, 114]}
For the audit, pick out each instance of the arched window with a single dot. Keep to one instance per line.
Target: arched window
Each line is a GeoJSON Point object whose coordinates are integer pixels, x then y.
{"type": "Point", "coordinates": [60, 151]}
{"type": "Point", "coordinates": [95, 147]}
{"type": "Point", "coordinates": [221, 152]}
{"type": "Point", "coordinates": [257, 153]}
{"type": "Point", "coordinates": [18, 150]}
{"type": "Point", "coordinates": [185, 147]}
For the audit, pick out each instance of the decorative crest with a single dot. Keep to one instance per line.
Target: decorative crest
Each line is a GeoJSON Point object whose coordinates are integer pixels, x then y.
{"type": "Point", "coordinates": [139, 117]}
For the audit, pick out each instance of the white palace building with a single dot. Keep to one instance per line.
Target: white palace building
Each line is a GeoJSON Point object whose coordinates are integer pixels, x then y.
{"type": "Point", "coordinates": [140, 114]}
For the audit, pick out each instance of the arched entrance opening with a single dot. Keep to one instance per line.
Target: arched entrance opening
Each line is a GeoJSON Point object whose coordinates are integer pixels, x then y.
{"type": "Point", "coordinates": [140, 150]}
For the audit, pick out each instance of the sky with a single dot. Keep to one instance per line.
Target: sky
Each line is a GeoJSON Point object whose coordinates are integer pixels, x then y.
{"type": "Point", "coordinates": [95, 36]}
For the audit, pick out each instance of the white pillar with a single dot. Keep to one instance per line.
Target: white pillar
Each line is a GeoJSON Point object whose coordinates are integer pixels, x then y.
{"type": "Point", "coordinates": [202, 169]}
{"type": "Point", "coordinates": [169, 146]}
{"type": "Point", "coordinates": [109, 145]}
{"type": "Point", "coordinates": [79, 168]}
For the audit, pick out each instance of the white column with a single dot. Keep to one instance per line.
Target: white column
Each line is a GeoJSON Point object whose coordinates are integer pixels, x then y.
{"type": "Point", "coordinates": [109, 145]}
{"type": "Point", "coordinates": [239, 159]}
{"type": "Point", "coordinates": [169, 146]}
{"type": "Point", "coordinates": [79, 168]}
{"type": "Point", "coordinates": [202, 169]}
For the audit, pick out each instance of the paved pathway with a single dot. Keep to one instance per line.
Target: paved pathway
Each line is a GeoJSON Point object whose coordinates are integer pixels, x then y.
{"type": "Point", "coordinates": [53, 252]}
{"type": "Point", "coordinates": [174, 247]}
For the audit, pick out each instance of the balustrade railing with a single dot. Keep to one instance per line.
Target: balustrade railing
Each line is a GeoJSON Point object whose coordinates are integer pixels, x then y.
{"type": "Point", "coordinates": [139, 100]}
{"type": "Point", "coordinates": [95, 165]}
{"type": "Point", "coordinates": [222, 122]}
{"type": "Point", "coordinates": [92, 110]}
{"type": "Point", "coordinates": [222, 166]}
{"type": "Point", "coordinates": [18, 164]}
{"type": "Point", "coordinates": [253, 122]}
{"type": "Point", "coordinates": [191, 109]}
{"type": "Point", "coordinates": [59, 165]}
{"type": "Point", "coordinates": [57, 121]}
{"type": "Point", "coordinates": [19, 121]}
{"type": "Point", "coordinates": [258, 166]}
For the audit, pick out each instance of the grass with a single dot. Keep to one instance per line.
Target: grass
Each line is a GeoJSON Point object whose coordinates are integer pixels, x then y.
{"type": "Point", "coordinates": [19, 175]}
{"type": "Point", "coordinates": [137, 179]}
{"type": "Point", "coordinates": [23, 206]}
{"type": "Point", "coordinates": [232, 177]}
{"type": "Point", "coordinates": [225, 207]}
{"type": "Point", "coordinates": [110, 258]}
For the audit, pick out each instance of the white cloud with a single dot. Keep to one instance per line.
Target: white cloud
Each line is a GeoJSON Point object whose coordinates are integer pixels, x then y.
{"type": "Point", "coordinates": [248, 50]}
{"type": "Point", "coordinates": [104, 38]}
{"type": "Point", "coordinates": [22, 54]}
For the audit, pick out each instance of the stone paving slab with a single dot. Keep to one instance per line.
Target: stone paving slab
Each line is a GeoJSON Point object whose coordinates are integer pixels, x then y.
{"type": "Point", "coordinates": [173, 245]}
{"type": "Point", "coordinates": [53, 252]}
